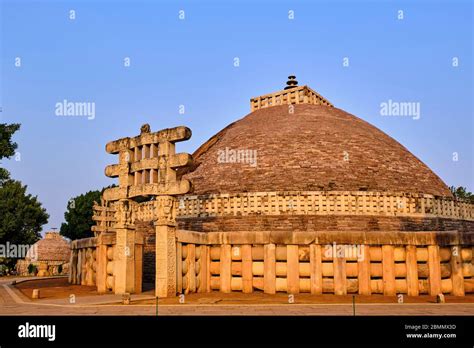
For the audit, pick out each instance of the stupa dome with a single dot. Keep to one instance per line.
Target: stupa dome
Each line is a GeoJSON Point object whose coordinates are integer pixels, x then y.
{"type": "Point", "coordinates": [53, 247]}
{"type": "Point", "coordinates": [308, 147]}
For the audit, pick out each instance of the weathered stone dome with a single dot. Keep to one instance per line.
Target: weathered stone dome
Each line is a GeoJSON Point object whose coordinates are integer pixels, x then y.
{"type": "Point", "coordinates": [314, 148]}
{"type": "Point", "coordinates": [51, 248]}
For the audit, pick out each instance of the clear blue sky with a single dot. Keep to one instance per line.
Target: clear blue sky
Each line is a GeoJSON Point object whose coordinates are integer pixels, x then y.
{"type": "Point", "coordinates": [190, 62]}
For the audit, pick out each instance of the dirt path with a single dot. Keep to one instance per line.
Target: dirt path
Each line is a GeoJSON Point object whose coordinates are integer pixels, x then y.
{"type": "Point", "coordinates": [14, 302]}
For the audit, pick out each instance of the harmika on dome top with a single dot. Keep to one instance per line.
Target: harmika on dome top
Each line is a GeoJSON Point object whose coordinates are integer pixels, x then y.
{"type": "Point", "coordinates": [303, 143]}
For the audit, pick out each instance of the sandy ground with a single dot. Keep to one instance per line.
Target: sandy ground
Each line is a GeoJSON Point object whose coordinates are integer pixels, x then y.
{"type": "Point", "coordinates": [55, 288]}
{"type": "Point", "coordinates": [56, 293]}
{"type": "Point", "coordinates": [60, 288]}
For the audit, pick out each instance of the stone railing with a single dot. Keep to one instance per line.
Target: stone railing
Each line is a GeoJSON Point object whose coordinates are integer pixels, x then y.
{"type": "Point", "coordinates": [92, 262]}
{"type": "Point", "coordinates": [45, 268]}
{"type": "Point", "coordinates": [326, 262]}
{"type": "Point", "coordinates": [104, 218]}
{"type": "Point", "coordinates": [324, 203]}
{"type": "Point", "coordinates": [145, 211]}
{"type": "Point", "coordinates": [296, 95]}
{"type": "Point", "coordinates": [83, 264]}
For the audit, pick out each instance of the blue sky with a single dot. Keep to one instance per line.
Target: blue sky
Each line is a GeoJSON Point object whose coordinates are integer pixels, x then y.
{"type": "Point", "coordinates": [190, 62]}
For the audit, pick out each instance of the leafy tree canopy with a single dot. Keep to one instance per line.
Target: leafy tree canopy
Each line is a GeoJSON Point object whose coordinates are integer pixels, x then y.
{"type": "Point", "coordinates": [462, 193]}
{"type": "Point", "coordinates": [7, 146]}
{"type": "Point", "coordinates": [78, 215]}
{"type": "Point", "coordinates": [21, 214]}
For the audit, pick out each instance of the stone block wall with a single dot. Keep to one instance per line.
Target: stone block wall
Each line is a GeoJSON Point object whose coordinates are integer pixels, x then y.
{"type": "Point", "coordinates": [321, 222]}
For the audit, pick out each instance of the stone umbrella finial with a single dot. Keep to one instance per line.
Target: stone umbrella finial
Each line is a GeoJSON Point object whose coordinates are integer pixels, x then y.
{"type": "Point", "coordinates": [291, 83]}
{"type": "Point", "coordinates": [145, 128]}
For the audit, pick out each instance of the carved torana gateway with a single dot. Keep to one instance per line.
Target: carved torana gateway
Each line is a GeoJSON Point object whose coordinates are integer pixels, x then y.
{"type": "Point", "coordinates": [332, 205]}
{"type": "Point", "coordinates": [147, 182]}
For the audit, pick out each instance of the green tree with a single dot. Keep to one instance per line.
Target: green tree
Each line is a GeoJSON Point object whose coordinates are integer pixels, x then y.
{"type": "Point", "coordinates": [462, 193]}
{"type": "Point", "coordinates": [78, 216]}
{"type": "Point", "coordinates": [21, 214]}
{"type": "Point", "coordinates": [7, 147]}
